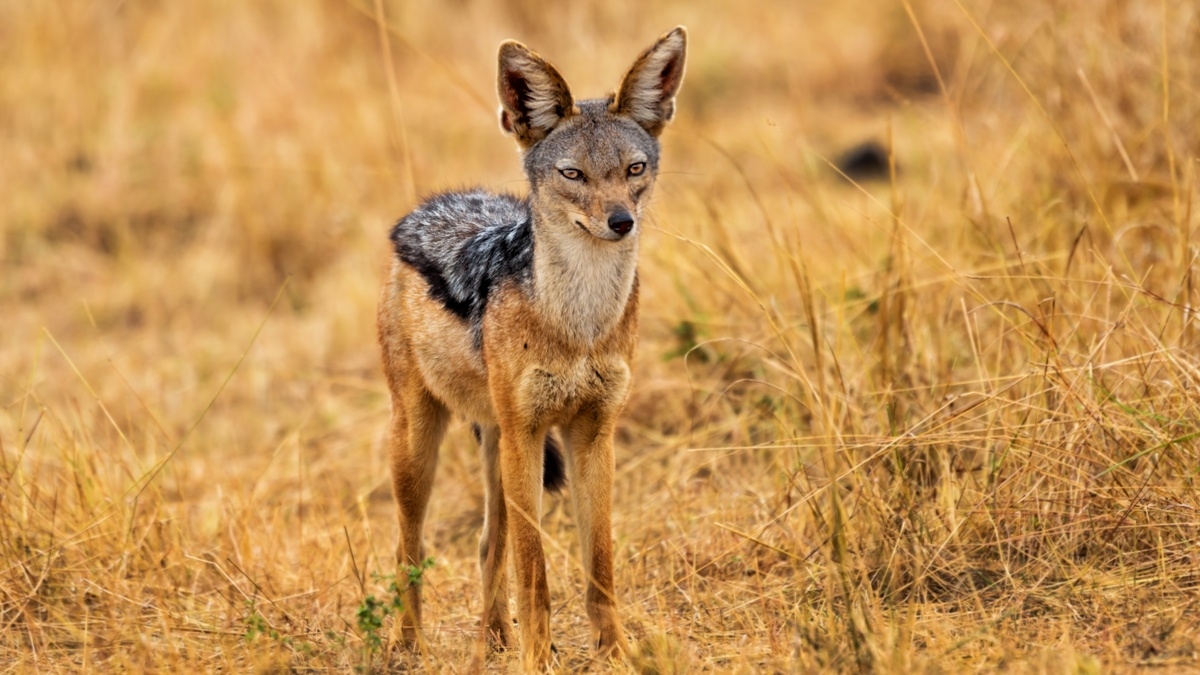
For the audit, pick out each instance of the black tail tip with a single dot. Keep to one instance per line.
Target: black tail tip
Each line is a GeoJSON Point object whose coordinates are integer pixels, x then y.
{"type": "Point", "coordinates": [554, 469]}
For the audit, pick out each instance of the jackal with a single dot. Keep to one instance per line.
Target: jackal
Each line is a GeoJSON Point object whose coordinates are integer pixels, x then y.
{"type": "Point", "coordinates": [521, 314]}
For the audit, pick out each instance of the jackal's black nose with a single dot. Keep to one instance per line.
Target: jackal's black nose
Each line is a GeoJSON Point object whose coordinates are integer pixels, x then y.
{"type": "Point", "coordinates": [620, 221]}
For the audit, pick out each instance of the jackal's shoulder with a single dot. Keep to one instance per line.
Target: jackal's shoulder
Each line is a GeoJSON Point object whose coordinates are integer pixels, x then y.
{"type": "Point", "coordinates": [466, 243]}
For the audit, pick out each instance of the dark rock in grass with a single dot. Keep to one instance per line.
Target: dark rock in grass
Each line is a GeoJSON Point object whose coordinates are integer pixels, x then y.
{"type": "Point", "coordinates": [865, 161]}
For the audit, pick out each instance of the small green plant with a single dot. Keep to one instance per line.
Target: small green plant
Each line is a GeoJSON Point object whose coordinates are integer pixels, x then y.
{"type": "Point", "coordinates": [687, 342]}
{"type": "Point", "coordinates": [415, 571]}
{"type": "Point", "coordinates": [370, 616]}
{"type": "Point", "coordinates": [256, 625]}
{"type": "Point", "coordinates": [371, 613]}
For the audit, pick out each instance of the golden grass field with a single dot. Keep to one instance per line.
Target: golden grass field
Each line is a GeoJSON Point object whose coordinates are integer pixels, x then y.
{"type": "Point", "coordinates": [945, 420]}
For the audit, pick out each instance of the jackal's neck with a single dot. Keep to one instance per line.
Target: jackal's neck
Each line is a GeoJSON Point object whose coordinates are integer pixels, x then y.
{"type": "Point", "coordinates": [581, 284]}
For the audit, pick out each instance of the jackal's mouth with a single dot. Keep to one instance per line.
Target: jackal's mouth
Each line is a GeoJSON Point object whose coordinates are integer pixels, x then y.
{"type": "Point", "coordinates": [612, 236]}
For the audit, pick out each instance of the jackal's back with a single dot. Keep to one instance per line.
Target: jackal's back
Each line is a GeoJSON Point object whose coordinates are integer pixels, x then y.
{"type": "Point", "coordinates": [464, 244]}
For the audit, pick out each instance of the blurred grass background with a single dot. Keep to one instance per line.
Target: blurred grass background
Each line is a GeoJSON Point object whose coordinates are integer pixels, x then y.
{"type": "Point", "coordinates": [946, 419]}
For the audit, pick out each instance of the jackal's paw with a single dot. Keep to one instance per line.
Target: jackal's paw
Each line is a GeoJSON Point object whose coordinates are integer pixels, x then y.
{"type": "Point", "coordinates": [406, 639]}
{"type": "Point", "coordinates": [500, 637]}
{"type": "Point", "coordinates": [540, 660]}
{"type": "Point", "coordinates": [612, 644]}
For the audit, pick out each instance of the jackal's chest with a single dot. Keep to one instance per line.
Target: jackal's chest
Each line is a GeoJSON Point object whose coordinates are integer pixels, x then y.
{"type": "Point", "coordinates": [553, 392]}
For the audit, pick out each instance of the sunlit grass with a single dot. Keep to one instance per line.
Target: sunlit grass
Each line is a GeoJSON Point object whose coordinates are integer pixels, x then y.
{"type": "Point", "coordinates": [944, 419]}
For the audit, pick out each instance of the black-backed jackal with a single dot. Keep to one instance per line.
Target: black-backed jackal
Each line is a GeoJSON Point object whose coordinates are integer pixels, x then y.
{"type": "Point", "coordinates": [521, 314]}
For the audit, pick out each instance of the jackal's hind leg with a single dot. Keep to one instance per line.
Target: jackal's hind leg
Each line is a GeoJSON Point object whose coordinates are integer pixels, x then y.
{"type": "Point", "coordinates": [493, 545]}
{"type": "Point", "coordinates": [418, 423]}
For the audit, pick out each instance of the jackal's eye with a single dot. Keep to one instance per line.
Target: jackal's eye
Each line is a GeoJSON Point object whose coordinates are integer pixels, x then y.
{"type": "Point", "coordinates": [637, 168]}
{"type": "Point", "coordinates": [571, 174]}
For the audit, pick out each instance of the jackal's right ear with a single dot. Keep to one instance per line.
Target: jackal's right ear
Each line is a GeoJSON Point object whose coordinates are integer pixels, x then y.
{"type": "Point", "coordinates": [534, 98]}
{"type": "Point", "coordinates": [647, 93]}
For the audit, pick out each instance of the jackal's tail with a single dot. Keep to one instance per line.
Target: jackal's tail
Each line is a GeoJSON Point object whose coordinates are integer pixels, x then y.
{"type": "Point", "coordinates": [554, 469]}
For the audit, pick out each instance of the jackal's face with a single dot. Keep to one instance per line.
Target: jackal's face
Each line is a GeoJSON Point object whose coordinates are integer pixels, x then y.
{"type": "Point", "coordinates": [591, 164]}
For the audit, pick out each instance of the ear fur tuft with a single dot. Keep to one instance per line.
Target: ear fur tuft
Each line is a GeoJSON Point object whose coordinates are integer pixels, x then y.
{"type": "Point", "coordinates": [647, 92]}
{"type": "Point", "coordinates": [534, 97]}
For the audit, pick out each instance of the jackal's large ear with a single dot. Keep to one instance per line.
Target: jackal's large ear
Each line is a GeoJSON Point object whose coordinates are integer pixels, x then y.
{"type": "Point", "coordinates": [534, 98]}
{"type": "Point", "coordinates": [647, 93]}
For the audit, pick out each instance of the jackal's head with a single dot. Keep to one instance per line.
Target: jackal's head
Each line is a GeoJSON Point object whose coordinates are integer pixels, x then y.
{"type": "Point", "coordinates": [591, 164]}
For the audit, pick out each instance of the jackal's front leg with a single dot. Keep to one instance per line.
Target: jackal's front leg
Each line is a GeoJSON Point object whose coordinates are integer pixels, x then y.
{"type": "Point", "coordinates": [521, 457]}
{"type": "Point", "coordinates": [590, 463]}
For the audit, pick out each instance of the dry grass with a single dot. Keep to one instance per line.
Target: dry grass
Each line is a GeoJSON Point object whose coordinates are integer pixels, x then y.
{"type": "Point", "coordinates": [947, 421]}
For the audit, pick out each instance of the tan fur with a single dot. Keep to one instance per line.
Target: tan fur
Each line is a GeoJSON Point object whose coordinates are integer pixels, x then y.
{"type": "Point", "coordinates": [539, 376]}
{"type": "Point", "coordinates": [557, 356]}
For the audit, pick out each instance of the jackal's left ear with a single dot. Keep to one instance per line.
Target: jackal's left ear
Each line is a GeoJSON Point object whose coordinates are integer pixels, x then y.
{"type": "Point", "coordinates": [647, 93]}
{"type": "Point", "coordinates": [534, 98]}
